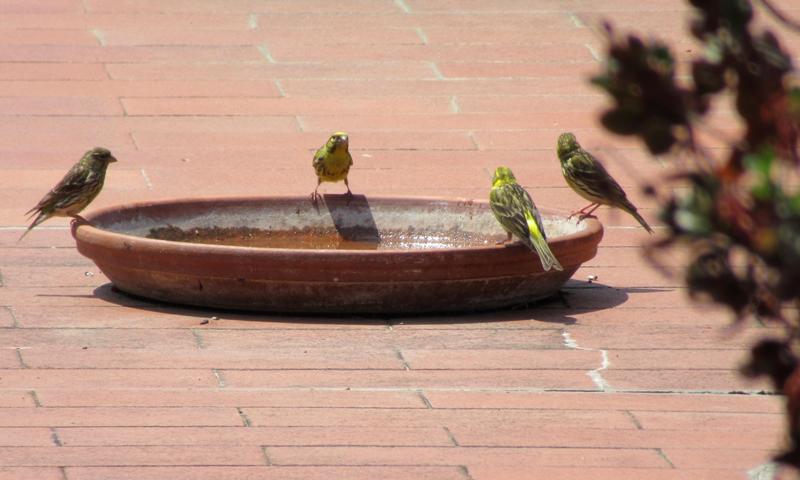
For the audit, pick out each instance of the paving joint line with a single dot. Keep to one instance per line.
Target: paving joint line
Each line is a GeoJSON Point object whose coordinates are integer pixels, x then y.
{"type": "Point", "coordinates": [436, 72]}
{"type": "Point", "coordinates": [63, 470]}
{"type": "Point", "coordinates": [593, 52]}
{"type": "Point", "coordinates": [399, 355]}
{"type": "Point", "coordinates": [451, 437]}
{"type": "Point", "coordinates": [424, 399]}
{"type": "Point", "coordinates": [14, 319]}
{"type": "Point", "coordinates": [278, 85]}
{"type": "Point", "coordinates": [55, 438]}
{"type": "Point", "coordinates": [22, 363]}
{"type": "Point", "coordinates": [596, 374]}
{"type": "Point", "coordinates": [133, 139]}
{"type": "Point", "coordinates": [465, 471]}
{"type": "Point", "coordinates": [663, 455]}
{"type": "Point", "coordinates": [245, 419]}
{"type": "Point", "coordinates": [219, 377]}
{"type": "Point", "coordinates": [264, 452]}
{"type": "Point", "coordinates": [98, 35]}
{"type": "Point", "coordinates": [454, 106]}
{"type": "Point", "coordinates": [576, 20]}
{"type": "Point", "coordinates": [300, 124]}
{"type": "Point", "coordinates": [402, 5]}
{"type": "Point", "coordinates": [252, 21]}
{"type": "Point", "coordinates": [147, 181]}
{"type": "Point", "coordinates": [421, 34]}
{"type": "Point", "coordinates": [634, 419]}
{"type": "Point", "coordinates": [264, 51]}
{"type": "Point", "coordinates": [198, 339]}
{"type": "Point", "coordinates": [35, 398]}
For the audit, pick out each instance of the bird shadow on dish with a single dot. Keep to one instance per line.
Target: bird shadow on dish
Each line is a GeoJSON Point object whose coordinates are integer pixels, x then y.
{"type": "Point", "coordinates": [556, 309]}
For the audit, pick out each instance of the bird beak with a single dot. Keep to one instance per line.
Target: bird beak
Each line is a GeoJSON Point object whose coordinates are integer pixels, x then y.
{"type": "Point", "coordinates": [112, 159]}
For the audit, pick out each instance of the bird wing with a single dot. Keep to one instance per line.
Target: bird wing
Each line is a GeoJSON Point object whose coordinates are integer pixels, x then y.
{"type": "Point", "coordinates": [594, 177]}
{"type": "Point", "coordinates": [65, 191]}
{"type": "Point", "coordinates": [514, 207]}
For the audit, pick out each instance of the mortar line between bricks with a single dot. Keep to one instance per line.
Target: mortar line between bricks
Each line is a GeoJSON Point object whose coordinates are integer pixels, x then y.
{"type": "Point", "coordinates": [146, 179]}
{"type": "Point", "coordinates": [264, 452]}
{"type": "Point", "coordinates": [454, 106]}
{"type": "Point", "coordinates": [252, 21]}
{"type": "Point", "coordinates": [35, 398]}
{"type": "Point", "coordinates": [245, 419]}
{"type": "Point", "coordinates": [14, 320]}
{"type": "Point", "coordinates": [424, 399]}
{"type": "Point", "coordinates": [596, 374]}
{"type": "Point", "coordinates": [664, 456]}
{"type": "Point", "coordinates": [22, 363]}
{"type": "Point", "coordinates": [300, 124]}
{"type": "Point", "coordinates": [55, 438]}
{"type": "Point", "coordinates": [471, 136]}
{"type": "Point", "coordinates": [465, 471]}
{"type": "Point", "coordinates": [278, 85]}
{"type": "Point", "coordinates": [219, 377]}
{"type": "Point", "coordinates": [108, 74]}
{"type": "Point", "coordinates": [593, 51]}
{"type": "Point", "coordinates": [133, 139]}
{"type": "Point", "coordinates": [264, 51]}
{"type": "Point", "coordinates": [63, 471]}
{"type": "Point", "coordinates": [98, 35]}
{"type": "Point", "coordinates": [198, 338]}
{"type": "Point", "coordinates": [451, 437]}
{"type": "Point", "coordinates": [400, 357]}
{"type": "Point", "coordinates": [633, 419]}
{"type": "Point", "coordinates": [575, 20]}
{"type": "Point", "coordinates": [402, 5]}
{"type": "Point", "coordinates": [436, 72]}
{"type": "Point", "coordinates": [421, 34]}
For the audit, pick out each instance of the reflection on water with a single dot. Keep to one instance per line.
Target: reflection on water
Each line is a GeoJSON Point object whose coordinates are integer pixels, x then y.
{"type": "Point", "coordinates": [322, 238]}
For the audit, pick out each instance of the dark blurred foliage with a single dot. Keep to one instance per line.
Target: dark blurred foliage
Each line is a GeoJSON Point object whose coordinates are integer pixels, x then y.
{"type": "Point", "coordinates": [738, 208]}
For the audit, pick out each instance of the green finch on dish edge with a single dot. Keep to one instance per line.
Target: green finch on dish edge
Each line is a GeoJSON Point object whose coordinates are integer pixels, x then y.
{"type": "Point", "coordinates": [332, 162]}
{"type": "Point", "coordinates": [589, 179]}
{"type": "Point", "coordinates": [517, 214]}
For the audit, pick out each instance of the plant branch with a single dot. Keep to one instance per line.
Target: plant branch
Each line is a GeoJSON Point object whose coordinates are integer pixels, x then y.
{"type": "Point", "coordinates": [788, 22]}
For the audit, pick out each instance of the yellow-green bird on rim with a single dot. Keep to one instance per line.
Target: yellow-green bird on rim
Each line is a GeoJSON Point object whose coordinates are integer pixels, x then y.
{"type": "Point", "coordinates": [517, 214]}
{"type": "Point", "coordinates": [76, 190]}
{"type": "Point", "coordinates": [332, 162]}
{"type": "Point", "coordinates": [589, 179]}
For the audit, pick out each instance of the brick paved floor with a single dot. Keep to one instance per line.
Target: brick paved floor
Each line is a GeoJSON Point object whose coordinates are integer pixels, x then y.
{"type": "Point", "coordinates": [623, 380]}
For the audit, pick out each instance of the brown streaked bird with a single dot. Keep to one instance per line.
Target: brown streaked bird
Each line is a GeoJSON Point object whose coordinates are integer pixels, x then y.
{"type": "Point", "coordinates": [76, 190]}
{"type": "Point", "coordinates": [589, 179]}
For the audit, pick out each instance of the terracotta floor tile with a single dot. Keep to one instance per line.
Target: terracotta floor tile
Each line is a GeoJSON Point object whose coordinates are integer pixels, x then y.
{"type": "Point", "coordinates": [621, 377]}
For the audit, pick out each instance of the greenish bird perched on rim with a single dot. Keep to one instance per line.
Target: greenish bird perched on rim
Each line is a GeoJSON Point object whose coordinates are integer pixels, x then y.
{"type": "Point", "coordinates": [332, 162]}
{"type": "Point", "coordinates": [589, 179]}
{"type": "Point", "coordinates": [514, 209]}
{"type": "Point", "coordinates": [76, 190]}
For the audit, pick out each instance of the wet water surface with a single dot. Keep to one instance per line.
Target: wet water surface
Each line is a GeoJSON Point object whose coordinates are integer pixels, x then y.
{"type": "Point", "coordinates": [323, 238]}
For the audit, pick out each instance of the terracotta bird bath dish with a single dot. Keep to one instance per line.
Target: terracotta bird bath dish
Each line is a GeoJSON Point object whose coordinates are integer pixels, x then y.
{"type": "Point", "coordinates": [362, 255]}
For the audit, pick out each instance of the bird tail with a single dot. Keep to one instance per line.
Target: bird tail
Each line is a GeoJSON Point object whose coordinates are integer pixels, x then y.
{"type": "Point", "coordinates": [632, 210]}
{"type": "Point", "coordinates": [545, 254]}
{"type": "Point", "coordinates": [39, 219]}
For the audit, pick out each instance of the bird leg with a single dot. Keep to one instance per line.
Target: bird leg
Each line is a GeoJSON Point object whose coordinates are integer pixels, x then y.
{"type": "Point", "coordinates": [314, 194]}
{"type": "Point", "coordinates": [503, 242]}
{"type": "Point", "coordinates": [589, 213]}
{"type": "Point", "coordinates": [79, 220]}
{"type": "Point", "coordinates": [582, 211]}
{"type": "Point", "coordinates": [349, 193]}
